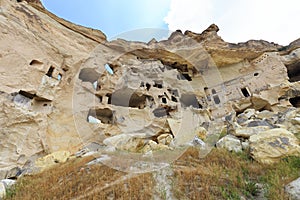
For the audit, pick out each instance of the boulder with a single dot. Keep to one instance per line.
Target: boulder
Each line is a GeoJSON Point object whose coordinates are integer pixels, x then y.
{"type": "Point", "coordinates": [249, 113]}
{"type": "Point", "coordinates": [272, 145]}
{"type": "Point", "coordinates": [230, 142]}
{"type": "Point", "coordinates": [154, 146]}
{"type": "Point", "coordinates": [165, 139]}
{"type": "Point", "coordinates": [2, 190]}
{"type": "Point", "coordinates": [127, 142]}
{"type": "Point", "coordinates": [246, 132]}
{"type": "Point", "coordinates": [52, 159]}
{"type": "Point", "coordinates": [255, 123]}
{"type": "Point", "coordinates": [201, 133]}
{"type": "Point", "coordinates": [8, 183]}
{"type": "Point", "coordinates": [198, 142]}
{"type": "Point", "coordinates": [293, 189]}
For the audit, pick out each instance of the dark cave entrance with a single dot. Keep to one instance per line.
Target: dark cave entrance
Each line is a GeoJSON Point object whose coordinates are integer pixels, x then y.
{"type": "Point", "coordinates": [295, 101]}
{"type": "Point", "coordinates": [294, 72]}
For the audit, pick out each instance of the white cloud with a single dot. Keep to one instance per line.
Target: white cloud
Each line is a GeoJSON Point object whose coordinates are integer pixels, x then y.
{"type": "Point", "coordinates": [189, 15]}
{"type": "Point", "coordinates": [239, 20]}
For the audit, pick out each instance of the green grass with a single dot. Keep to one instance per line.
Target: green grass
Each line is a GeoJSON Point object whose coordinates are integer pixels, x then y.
{"type": "Point", "coordinates": [220, 175]}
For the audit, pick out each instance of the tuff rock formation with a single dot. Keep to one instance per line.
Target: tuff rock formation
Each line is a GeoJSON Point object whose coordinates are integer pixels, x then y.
{"type": "Point", "coordinates": [64, 86]}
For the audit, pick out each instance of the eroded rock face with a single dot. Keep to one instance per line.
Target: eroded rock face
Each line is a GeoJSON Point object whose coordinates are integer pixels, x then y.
{"type": "Point", "coordinates": [64, 86]}
{"type": "Point", "coordinates": [271, 145]}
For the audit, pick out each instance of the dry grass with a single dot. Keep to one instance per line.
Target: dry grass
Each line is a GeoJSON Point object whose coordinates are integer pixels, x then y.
{"type": "Point", "coordinates": [225, 175]}
{"type": "Point", "coordinates": [220, 175]}
{"type": "Point", "coordinates": [76, 180]}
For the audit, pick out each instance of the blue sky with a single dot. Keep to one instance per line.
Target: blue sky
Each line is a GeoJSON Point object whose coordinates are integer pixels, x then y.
{"type": "Point", "coordinates": [113, 17]}
{"type": "Point", "coordinates": [238, 20]}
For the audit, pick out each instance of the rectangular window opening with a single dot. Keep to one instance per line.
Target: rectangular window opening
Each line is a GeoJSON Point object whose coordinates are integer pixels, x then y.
{"type": "Point", "coordinates": [245, 92]}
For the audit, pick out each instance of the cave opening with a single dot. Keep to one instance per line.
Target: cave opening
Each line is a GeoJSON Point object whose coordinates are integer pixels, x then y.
{"type": "Point", "coordinates": [108, 98]}
{"type": "Point", "coordinates": [174, 92]}
{"type": "Point", "coordinates": [174, 99]}
{"type": "Point", "coordinates": [216, 99]}
{"type": "Point", "coordinates": [137, 101]}
{"type": "Point", "coordinates": [245, 92]}
{"type": "Point", "coordinates": [128, 98]}
{"type": "Point", "coordinates": [158, 84]}
{"type": "Point", "coordinates": [294, 72]}
{"type": "Point", "coordinates": [184, 76]}
{"type": "Point", "coordinates": [295, 101]}
{"type": "Point", "coordinates": [50, 71]}
{"type": "Point", "coordinates": [188, 100]}
{"type": "Point", "coordinates": [105, 115]}
{"type": "Point", "coordinates": [164, 100]}
{"type": "Point", "coordinates": [89, 75]}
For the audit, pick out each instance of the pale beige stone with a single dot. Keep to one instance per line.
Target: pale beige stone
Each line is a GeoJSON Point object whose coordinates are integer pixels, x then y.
{"type": "Point", "coordinates": [272, 145]}
{"type": "Point", "coordinates": [52, 159]}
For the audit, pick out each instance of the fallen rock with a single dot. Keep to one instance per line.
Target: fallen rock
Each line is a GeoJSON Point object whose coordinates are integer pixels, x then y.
{"type": "Point", "coordinates": [272, 145]}
{"type": "Point", "coordinates": [52, 159]}
{"type": "Point", "coordinates": [2, 190]}
{"type": "Point", "coordinates": [127, 142]}
{"type": "Point", "coordinates": [201, 133]}
{"type": "Point", "coordinates": [256, 123]}
{"type": "Point", "coordinates": [8, 183]}
{"type": "Point", "coordinates": [245, 145]}
{"type": "Point", "coordinates": [198, 142]}
{"type": "Point", "coordinates": [293, 189]}
{"type": "Point", "coordinates": [165, 139]}
{"type": "Point", "coordinates": [249, 113]}
{"type": "Point", "coordinates": [230, 142]}
{"type": "Point", "coordinates": [246, 132]}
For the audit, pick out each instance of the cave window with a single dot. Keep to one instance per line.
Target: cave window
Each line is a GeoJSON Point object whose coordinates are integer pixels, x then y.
{"type": "Point", "coordinates": [164, 100]}
{"type": "Point", "coordinates": [174, 92]}
{"type": "Point", "coordinates": [50, 71]}
{"type": "Point", "coordinates": [294, 72]}
{"type": "Point", "coordinates": [189, 100]}
{"type": "Point", "coordinates": [109, 69]}
{"type": "Point", "coordinates": [255, 74]}
{"type": "Point", "coordinates": [245, 92]}
{"type": "Point", "coordinates": [45, 104]}
{"type": "Point", "coordinates": [148, 86]}
{"type": "Point", "coordinates": [160, 112]}
{"type": "Point", "coordinates": [174, 99]}
{"type": "Point", "coordinates": [59, 76]}
{"type": "Point", "coordinates": [187, 77]}
{"type": "Point", "coordinates": [216, 99]}
{"type": "Point", "coordinates": [109, 98]}
{"type": "Point", "coordinates": [89, 75]}
{"type": "Point", "coordinates": [295, 102]}
{"type": "Point", "coordinates": [158, 84]}
{"type": "Point", "coordinates": [100, 99]}
{"type": "Point", "coordinates": [137, 101]}
{"type": "Point", "coordinates": [27, 94]}
{"type": "Point", "coordinates": [106, 116]}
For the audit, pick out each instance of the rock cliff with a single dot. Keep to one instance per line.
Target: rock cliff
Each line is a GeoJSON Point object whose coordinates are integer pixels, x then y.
{"type": "Point", "coordinates": [63, 86]}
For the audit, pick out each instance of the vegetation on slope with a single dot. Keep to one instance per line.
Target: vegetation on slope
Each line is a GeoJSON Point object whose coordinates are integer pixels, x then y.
{"type": "Point", "coordinates": [220, 175]}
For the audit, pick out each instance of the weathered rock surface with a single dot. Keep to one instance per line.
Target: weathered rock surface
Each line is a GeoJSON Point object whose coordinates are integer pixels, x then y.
{"type": "Point", "coordinates": [293, 189]}
{"type": "Point", "coordinates": [2, 190]}
{"type": "Point", "coordinates": [64, 86]}
{"type": "Point", "coordinates": [271, 145]}
{"type": "Point", "coordinates": [52, 159]}
{"type": "Point", "coordinates": [231, 143]}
